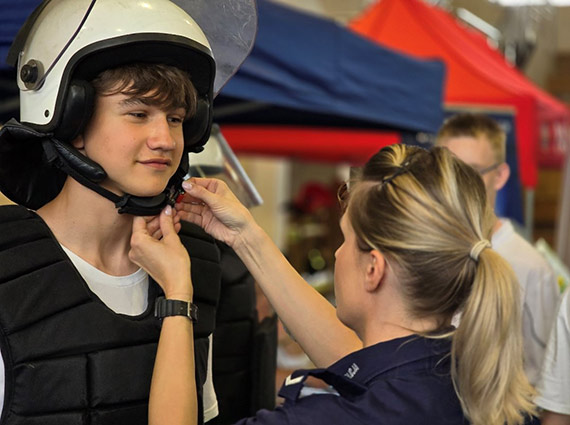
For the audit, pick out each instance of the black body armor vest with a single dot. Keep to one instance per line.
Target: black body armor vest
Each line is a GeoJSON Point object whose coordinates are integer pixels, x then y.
{"type": "Point", "coordinates": [245, 350]}
{"type": "Point", "coordinates": [69, 359]}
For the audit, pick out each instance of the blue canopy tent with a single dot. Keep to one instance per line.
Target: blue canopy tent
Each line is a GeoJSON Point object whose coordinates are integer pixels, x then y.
{"type": "Point", "coordinates": [12, 16]}
{"type": "Point", "coordinates": [308, 71]}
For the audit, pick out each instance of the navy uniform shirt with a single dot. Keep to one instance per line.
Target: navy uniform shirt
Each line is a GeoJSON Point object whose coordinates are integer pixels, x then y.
{"type": "Point", "coordinates": [404, 381]}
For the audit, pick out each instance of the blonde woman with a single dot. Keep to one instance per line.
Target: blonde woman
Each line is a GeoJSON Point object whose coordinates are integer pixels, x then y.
{"type": "Point", "coordinates": [415, 252]}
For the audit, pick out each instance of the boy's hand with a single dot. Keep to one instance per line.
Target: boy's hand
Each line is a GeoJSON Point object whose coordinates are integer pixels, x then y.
{"type": "Point", "coordinates": [165, 259]}
{"type": "Point", "coordinates": [153, 224]}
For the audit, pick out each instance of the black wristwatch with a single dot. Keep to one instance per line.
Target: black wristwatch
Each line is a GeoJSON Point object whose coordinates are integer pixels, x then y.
{"type": "Point", "coordinates": [164, 308]}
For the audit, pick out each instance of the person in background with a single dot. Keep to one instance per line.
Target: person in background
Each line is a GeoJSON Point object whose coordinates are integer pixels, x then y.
{"type": "Point", "coordinates": [414, 254]}
{"type": "Point", "coordinates": [554, 385]}
{"type": "Point", "coordinates": [479, 141]}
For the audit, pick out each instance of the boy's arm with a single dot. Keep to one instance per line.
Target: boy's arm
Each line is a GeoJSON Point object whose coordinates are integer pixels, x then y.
{"type": "Point", "coordinates": [551, 418]}
{"type": "Point", "coordinates": [173, 398]}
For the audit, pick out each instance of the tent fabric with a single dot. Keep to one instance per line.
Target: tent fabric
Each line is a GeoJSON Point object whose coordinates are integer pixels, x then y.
{"type": "Point", "coordinates": [326, 144]}
{"type": "Point", "coordinates": [314, 66]}
{"type": "Point", "coordinates": [477, 74]}
{"type": "Point", "coordinates": [307, 63]}
{"type": "Point", "coordinates": [12, 16]}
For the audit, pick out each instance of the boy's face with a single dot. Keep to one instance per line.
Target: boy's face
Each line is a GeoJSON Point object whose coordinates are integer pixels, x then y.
{"type": "Point", "coordinates": [478, 153]}
{"type": "Point", "coordinates": [139, 146]}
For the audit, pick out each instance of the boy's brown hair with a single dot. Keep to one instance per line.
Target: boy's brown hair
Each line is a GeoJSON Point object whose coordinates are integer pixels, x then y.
{"type": "Point", "coordinates": [159, 85]}
{"type": "Point", "coordinates": [478, 126]}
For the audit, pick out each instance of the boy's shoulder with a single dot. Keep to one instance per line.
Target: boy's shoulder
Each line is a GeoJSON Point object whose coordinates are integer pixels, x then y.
{"type": "Point", "coordinates": [14, 212]}
{"type": "Point", "coordinates": [18, 223]}
{"type": "Point", "coordinates": [192, 230]}
{"type": "Point", "coordinates": [198, 243]}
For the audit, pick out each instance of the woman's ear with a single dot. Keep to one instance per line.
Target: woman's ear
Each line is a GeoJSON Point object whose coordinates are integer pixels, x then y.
{"type": "Point", "coordinates": [375, 270]}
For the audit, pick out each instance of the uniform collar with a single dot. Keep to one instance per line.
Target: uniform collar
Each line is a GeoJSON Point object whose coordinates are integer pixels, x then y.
{"type": "Point", "coordinates": [378, 359]}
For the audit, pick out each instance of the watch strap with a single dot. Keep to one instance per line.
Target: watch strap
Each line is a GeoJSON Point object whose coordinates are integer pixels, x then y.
{"type": "Point", "coordinates": [165, 307]}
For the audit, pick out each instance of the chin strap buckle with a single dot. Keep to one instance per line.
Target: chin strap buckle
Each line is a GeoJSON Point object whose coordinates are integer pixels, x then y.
{"type": "Point", "coordinates": [122, 202]}
{"type": "Point", "coordinates": [173, 195]}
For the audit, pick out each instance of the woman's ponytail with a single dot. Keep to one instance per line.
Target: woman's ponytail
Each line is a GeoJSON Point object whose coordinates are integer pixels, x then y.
{"type": "Point", "coordinates": [487, 360]}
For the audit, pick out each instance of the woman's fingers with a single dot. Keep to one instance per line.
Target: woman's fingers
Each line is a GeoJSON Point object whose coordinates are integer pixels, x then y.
{"type": "Point", "coordinates": [212, 192]}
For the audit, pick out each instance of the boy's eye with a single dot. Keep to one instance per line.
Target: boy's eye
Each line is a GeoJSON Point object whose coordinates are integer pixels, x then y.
{"type": "Point", "coordinates": [175, 119]}
{"type": "Point", "coordinates": [137, 114]}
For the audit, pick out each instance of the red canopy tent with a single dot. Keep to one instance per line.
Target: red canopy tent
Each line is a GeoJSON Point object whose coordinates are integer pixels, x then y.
{"type": "Point", "coordinates": [326, 144]}
{"type": "Point", "coordinates": [477, 75]}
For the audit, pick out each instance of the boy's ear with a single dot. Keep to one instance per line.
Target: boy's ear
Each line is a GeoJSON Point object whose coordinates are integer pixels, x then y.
{"type": "Point", "coordinates": [502, 176]}
{"type": "Point", "coordinates": [375, 270]}
{"type": "Point", "coordinates": [78, 143]}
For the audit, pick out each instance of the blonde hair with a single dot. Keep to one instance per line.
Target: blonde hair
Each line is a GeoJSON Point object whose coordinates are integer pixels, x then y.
{"type": "Point", "coordinates": [478, 126]}
{"type": "Point", "coordinates": [424, 211]}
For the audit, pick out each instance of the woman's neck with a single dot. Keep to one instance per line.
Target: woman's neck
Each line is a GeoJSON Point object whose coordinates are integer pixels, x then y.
{"type": "Point", "coordinates": [387, 316]}
{"type": "Point", "coordinates": [388, 330]}
{"type": "Point", "coordinates": [90, 226]}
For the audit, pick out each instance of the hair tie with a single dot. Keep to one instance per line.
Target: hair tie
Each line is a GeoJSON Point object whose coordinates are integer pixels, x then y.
{"type": "Point", "coordinates": [404, 168]}
{"type": "Point", "coordinates": [478, 248]}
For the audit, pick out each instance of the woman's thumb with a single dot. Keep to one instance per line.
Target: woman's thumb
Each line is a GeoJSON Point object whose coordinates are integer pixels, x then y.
{"type": "Point", "coordinates": [195, 190]}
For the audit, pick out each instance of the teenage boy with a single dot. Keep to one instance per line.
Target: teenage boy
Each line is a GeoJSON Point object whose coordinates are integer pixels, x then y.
{"type": "Point", "coordinates": [480, 142]}
{"type": "Point", "coordinates": [109, 113]}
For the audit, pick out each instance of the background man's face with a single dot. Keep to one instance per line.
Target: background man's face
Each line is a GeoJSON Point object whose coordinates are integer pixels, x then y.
{"type": "Point", "coordinates": [477, 153]}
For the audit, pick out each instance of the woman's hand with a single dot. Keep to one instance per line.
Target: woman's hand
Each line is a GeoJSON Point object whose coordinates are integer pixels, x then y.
{"type": "Point", "coordinates": [165, 259]}
{"type": "Point", "coordinates": [210, 204]}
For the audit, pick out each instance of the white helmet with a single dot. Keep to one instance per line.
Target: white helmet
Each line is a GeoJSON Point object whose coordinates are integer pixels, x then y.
{"type": "Point", "coordinates": [66, 43]}
{"type": "Point", "coordinates": [62, 46]}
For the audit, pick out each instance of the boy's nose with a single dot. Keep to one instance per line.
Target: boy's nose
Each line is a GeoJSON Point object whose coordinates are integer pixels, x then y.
{"type": "Point", "coordinates": [162, 136]}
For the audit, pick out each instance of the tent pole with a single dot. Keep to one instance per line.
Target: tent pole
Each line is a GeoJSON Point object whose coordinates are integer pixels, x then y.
{"type": "Point", "coordinates": [563, 222]}
{"type": "Point", "coordinates": [528, 214]}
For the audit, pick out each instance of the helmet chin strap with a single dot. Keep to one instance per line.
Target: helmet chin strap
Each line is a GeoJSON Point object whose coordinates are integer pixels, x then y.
{"type": "Point", "coordinates": [89, 174]}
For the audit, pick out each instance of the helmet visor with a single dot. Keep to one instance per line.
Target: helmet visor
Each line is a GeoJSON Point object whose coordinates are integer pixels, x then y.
{"type": "Point", "coordinates": [230, 27]}
{"type": "Point", "coordinates": [219, 160]}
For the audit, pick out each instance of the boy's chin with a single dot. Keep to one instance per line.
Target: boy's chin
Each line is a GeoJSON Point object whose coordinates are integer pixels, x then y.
{"type": "Point", "coordinates": [148, 193]}
{"type": "Point", "coordinates": [143, 193]}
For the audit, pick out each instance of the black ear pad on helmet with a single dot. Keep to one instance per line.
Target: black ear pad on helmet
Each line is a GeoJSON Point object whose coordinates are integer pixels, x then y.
{"type": "Point", "coordinates": [64, 152]}
{"type": "Point", "coordinates": [197, 129]}
{"type": "Point", "coordinates": [76, 112]}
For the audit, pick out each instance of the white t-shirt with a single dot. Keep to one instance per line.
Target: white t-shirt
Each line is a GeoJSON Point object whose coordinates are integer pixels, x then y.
{"type": "Point", "coordinates": [126, 295]}
{"type": "Point", "coordinates": [554, 385]}
{"type": "Point", "coordinates": [540, 294]}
